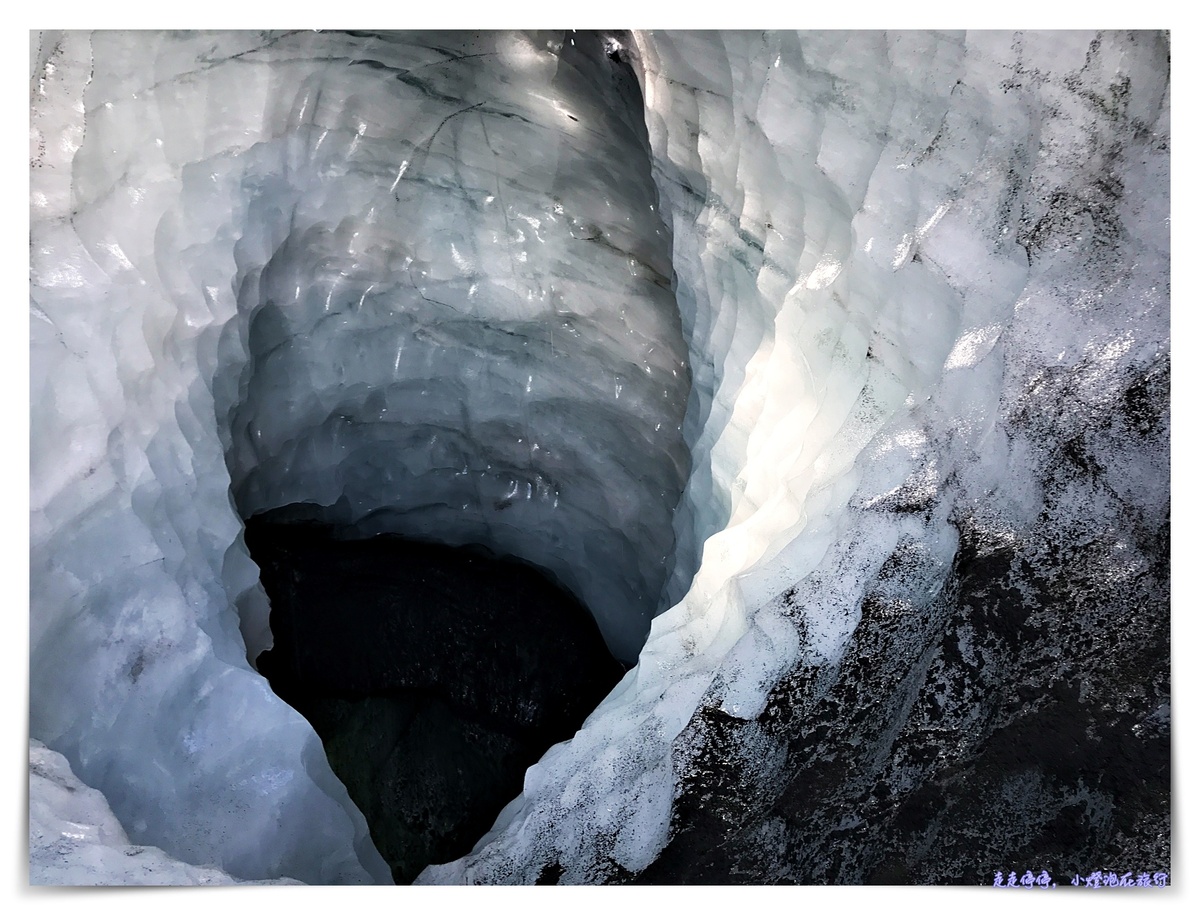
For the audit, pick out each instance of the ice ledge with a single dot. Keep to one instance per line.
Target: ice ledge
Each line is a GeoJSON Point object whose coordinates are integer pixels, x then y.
{"type": "Point", "coordinates": [75, 840]}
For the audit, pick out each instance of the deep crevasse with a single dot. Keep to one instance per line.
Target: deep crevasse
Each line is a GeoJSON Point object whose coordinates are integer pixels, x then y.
{"type": "Point", "coordinates": [883, 244]}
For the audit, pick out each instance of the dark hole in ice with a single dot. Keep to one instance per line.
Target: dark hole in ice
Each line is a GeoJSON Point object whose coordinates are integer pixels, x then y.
{"type": "Point", "coordinates": [434, 675]}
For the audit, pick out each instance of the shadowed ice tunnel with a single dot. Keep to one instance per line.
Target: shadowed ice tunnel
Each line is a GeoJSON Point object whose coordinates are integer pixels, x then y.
{"type": "Point", "coordinates": [464, 334]}
{"type": "Point", "coordinates": [813, 387]}
{"type": "Point", "coordinates": [434, 675]}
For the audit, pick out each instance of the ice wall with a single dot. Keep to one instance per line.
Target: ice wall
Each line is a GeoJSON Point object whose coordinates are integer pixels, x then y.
{"type": "Point", "coordinates": [380, 276]}
{"type": "Point", "coordinates": [918, 272]}
{"type": "Point", "coordinates": [138, 672]}
{"type": "Point", "coordinates": [415, 281]}
{"type": "Point", "coordinates": [912, 270]}
{"type": "Point", "coordinates": [454, 297]}
{"type": "Point", "coordinates": [75, 840]}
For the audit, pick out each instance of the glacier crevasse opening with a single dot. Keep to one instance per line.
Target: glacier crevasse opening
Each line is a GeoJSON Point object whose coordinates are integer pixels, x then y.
{"type": "Point", "coordinates": [886, 249]}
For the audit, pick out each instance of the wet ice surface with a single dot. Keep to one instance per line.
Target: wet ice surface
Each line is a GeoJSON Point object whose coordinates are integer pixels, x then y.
{"type": "Point", "coordinates": [923, 284]}
{"type": "Point", "coordinates": [465, 329]}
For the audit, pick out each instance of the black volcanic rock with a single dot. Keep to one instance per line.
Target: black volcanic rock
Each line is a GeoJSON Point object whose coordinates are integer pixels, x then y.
{"type": "Point", "coordinates": [1020, 720]}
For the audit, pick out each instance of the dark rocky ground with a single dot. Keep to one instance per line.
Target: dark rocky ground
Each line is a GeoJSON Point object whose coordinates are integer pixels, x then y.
{"type": "Point", "coordinates": [1019, 721]}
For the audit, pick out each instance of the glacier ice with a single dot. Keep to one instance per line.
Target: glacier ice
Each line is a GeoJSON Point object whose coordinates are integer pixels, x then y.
{"type": "Point", "coordinates": [74, 839]}
{"type": "Point", "coordinates": [919, 282]}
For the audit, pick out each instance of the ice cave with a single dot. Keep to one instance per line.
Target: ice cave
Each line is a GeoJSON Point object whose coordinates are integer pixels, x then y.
{"type": "Point", "coordinates": [639, 457]}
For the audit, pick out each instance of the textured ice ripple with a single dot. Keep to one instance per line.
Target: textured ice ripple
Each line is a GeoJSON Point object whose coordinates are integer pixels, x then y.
{"type": "Point", "coordinates": [923, 283]}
